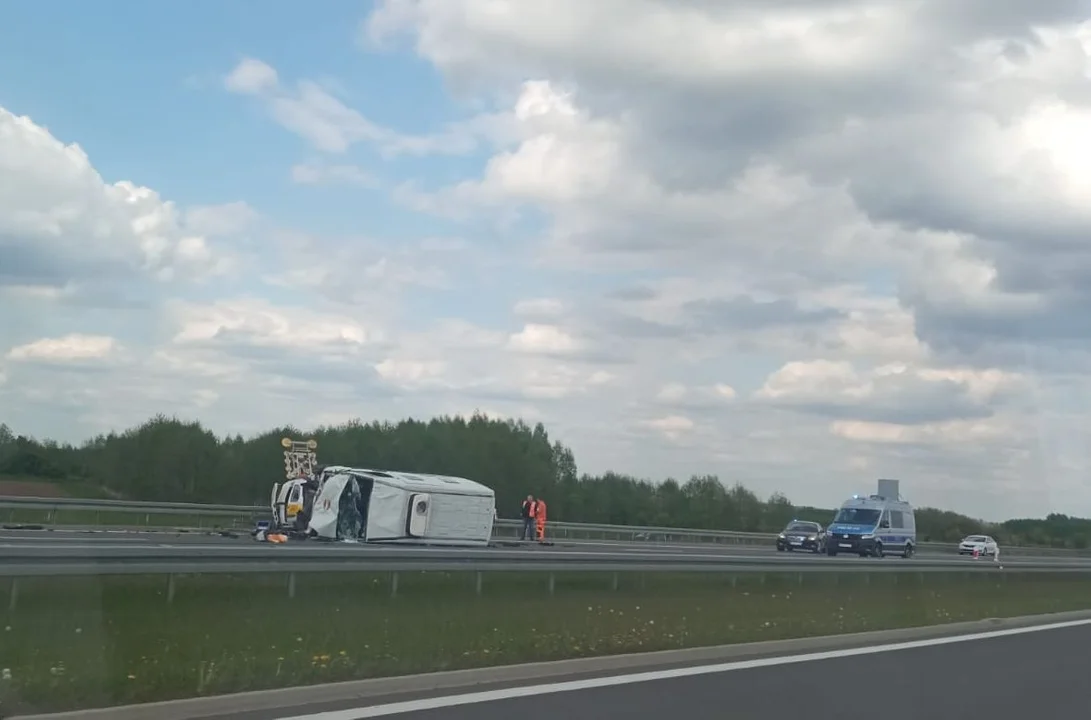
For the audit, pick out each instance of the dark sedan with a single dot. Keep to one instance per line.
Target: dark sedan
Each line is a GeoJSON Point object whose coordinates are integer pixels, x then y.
{"type": "Point", "coordinates": [800, 535]}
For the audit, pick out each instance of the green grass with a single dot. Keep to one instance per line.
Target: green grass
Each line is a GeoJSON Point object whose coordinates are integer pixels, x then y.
{"type": "Point", "coordinates": [29, 485]}
{"type": "Point", "coordinates": [82, 643]}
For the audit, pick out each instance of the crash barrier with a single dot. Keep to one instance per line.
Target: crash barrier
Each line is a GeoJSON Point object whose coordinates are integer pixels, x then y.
{"type": "Point", "coordinates": [115, 513]}
{"type": "Point", "coordinates": [23, 563]}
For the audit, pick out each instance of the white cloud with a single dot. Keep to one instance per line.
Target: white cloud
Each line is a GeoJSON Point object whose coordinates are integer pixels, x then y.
{"type": "Point", "coordinates": [314, 111]}
{"type": "Point", "coordinates": [323, 174]}
{"type": "Point", "coordinates": [62, 226]}
{"type": "Point", "coordinates": [252, 77]}
{"type": "Point", "coordinates": [543, 339]}
{"type": "Point", "coordinates": [799, 245]}
{"type": "Point", "coordinates": [221, 220]}
{"type": "Point", "coordinates": [64, 349]}
{"type": "Point", "coordinates": [671, 426]}
{"type": "Point", "coordinates": [884, 201]}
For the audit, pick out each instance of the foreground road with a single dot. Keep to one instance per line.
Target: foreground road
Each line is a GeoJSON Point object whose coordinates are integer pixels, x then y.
{"type": "Point", "coordinates": [1008, 675]}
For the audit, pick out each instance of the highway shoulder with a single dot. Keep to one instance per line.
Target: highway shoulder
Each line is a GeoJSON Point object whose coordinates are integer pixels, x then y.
{"type": "Point", "coordinates": [529, 679]}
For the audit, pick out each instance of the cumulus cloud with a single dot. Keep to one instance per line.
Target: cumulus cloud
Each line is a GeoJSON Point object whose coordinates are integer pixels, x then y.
{"type": "Point", "coordinates": [886, 201]}
{"type": "Point", "coordinates": [62, 227]}
{"type": "Point", "coordinates": [802, 245]}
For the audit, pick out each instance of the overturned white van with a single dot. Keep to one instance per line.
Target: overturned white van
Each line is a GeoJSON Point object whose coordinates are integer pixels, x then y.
{"type": "Point", "coordinates": [401, 507]}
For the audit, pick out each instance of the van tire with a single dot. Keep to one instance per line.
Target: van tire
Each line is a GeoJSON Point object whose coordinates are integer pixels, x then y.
{"type": "Point", "coordinates": [878, 551]}
{"type": "Point", "coordinates": [908, 552]}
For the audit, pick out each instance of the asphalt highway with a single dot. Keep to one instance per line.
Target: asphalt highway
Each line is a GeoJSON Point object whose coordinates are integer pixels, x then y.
{"type": "Point", "coordinates": [77, 544]}
{"type": "Point", "coordinates": [1003, 675]}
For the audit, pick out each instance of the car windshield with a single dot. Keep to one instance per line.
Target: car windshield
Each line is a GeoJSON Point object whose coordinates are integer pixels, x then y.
{"type": "Point", "coordinates": [802, 527]}
{"type": "Point", "coordinates": [975, 538]}
{"type": "Point", "coordinates": [857, 516]}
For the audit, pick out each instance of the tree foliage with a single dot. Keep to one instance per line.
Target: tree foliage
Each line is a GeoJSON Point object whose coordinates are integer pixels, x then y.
{"type": "Point", "coordinates": [167, 459]}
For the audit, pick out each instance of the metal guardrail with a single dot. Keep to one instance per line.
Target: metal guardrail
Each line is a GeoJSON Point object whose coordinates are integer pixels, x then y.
{"type": "Point", "coordinates": [55, 505]}
{"type": "Point", "coordinates": [503, 528]}
{"type": "Point", "coordinates": [26, 561]}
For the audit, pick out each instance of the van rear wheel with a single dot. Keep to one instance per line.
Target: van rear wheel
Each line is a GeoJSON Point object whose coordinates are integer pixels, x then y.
{"type": "Point", "coordinates": [908, 552]}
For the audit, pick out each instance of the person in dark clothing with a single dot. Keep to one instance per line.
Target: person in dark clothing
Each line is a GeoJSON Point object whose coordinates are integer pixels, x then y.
{"type": "Point", "coordinates": [528, 518]}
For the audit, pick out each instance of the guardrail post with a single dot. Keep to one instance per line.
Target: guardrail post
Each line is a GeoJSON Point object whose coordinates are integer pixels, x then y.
{"type": "Point", "coordinates": [170, 588]}
{"type": "Point", "coordinates": [552, 583]}
{"type": "Point", "coordinates": [394, 585]}
{"type": "Point", "coordinates": [13, 600]}
{"type": "Point", "coordinates": [291, 585]}
{"type": "Point", "coordinates": [615, 582]}
{"type": "Point", "coordinates": [478, 588]}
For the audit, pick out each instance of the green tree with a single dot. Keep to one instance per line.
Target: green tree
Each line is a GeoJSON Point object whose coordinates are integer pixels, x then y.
{"type": "Point", "coordinates": [170, 459]}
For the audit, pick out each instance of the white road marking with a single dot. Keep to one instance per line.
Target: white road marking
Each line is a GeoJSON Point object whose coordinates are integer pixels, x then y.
{"type": "Point", "coordinates": [409, 706]}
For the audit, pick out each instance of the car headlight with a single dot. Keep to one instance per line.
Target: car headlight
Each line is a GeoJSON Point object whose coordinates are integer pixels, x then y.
{"type": "Point", "coordinates": [869, 536]}
{"type": "Point", "coordinates": [781, 536]}
{"type": "Point", "coordinates": [812, 537]}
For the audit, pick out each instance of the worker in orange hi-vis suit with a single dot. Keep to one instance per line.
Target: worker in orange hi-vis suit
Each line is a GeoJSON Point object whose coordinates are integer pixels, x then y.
{"type": "Point", "coordinates": [540, 519]}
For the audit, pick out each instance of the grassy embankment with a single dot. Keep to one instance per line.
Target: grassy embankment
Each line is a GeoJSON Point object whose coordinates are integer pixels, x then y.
{"type": "Point", "coordinates": [80, 643]}
{"type": "Point", "coordinates": [23, 487]}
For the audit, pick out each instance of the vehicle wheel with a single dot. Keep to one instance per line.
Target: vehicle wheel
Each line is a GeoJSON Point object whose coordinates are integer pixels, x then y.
{"type": "Point", "coordinates": [908, 552]}
{"type": "Point", "coordinates": [817, 549]}
{"type": "Point", "coordinates": [878, 551]}
{"type": "Point", "coordinates": [780, 549]}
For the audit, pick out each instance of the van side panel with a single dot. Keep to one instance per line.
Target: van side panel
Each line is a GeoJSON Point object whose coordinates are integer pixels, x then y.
{"type": "Point", "coordinates": [902, 526]}
{"type": "Point", "coordinates": [461, 517]}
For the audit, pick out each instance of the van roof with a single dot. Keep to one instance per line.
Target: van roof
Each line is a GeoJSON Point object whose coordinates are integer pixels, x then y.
{"type": "Point", "coordinates": [876, 502]}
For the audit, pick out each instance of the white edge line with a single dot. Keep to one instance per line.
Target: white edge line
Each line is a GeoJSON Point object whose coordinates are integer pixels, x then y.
{"type": "Point", "coordinates": [434, 703]}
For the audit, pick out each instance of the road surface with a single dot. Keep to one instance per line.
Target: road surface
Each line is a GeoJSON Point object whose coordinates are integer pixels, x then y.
{"type": "Point", "coordinates": [1004, 675]}
{"type": "Point", "coordinates": [89, 543]}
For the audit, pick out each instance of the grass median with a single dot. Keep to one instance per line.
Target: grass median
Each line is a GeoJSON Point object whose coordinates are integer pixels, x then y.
{"type": "Point", "coordinates": [74, 643]}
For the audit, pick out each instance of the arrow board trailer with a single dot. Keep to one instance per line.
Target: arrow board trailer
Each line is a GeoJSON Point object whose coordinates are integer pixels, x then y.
{"type": "Point", "coordinates": [400, 507]}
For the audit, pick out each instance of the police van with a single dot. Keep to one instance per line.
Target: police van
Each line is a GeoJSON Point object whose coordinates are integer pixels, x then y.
{"type": "Point", "coordinates": [874, 525]}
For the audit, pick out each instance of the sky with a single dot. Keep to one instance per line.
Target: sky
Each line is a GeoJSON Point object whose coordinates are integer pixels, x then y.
{"type": "Point", "coordinates": [800, 245]}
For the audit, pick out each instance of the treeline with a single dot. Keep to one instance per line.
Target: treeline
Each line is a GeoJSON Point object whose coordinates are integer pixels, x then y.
{"type": "Point", "coordinates": [166, 459]}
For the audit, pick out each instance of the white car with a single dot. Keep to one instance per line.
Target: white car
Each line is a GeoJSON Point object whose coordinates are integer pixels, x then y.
{"type": "Point", "coordinates": [984, 545]}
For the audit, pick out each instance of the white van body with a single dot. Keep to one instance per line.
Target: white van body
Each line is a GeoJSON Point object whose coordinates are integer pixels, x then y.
{"type": "Point", "coordinates": [402, 507]}
{"type": "Point", "coordinates": [874, 525]}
